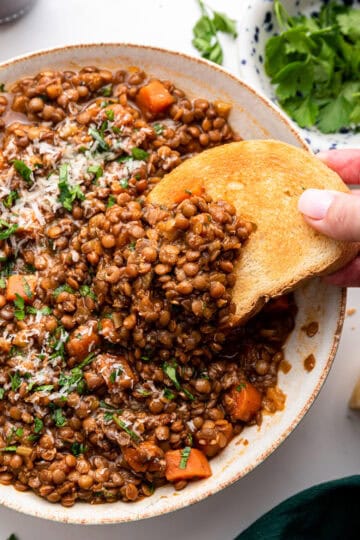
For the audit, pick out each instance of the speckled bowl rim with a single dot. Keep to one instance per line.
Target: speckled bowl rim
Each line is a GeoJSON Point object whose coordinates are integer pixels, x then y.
{"type": "Point", "coordinates": [172, 505]}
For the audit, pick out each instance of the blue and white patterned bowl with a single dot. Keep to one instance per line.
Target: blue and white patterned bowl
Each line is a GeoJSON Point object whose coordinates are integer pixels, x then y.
{"type": "Point", "coordinates": [258, 26]}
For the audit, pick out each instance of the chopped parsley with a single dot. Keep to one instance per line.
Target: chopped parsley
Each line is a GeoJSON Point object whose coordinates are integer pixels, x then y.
{"type": "Point", "coordinates": [7, 229]}
{"type": "Point", "coordinates": [27, 288]}
{"type": "Point", "coordinates": [132, 245]}
{"type": "Point", "coordinates": [170, 371]}
{"type": "Point", "coordinates": [168, 394]}
{"type": "Point", "coordinates": [158, 128]}
{"type": "Point", "coordinates": [38, 425]}
{"type": "Point", "coordinates": [2, 283]}
{"type": "Point", "coordinates": [58, 417]}
{"type": "Point", "coordinates": [115, 374]}
{"type": "Point", "coordinates": [185, 454]}
{"type": "Point", "coordinates": [8, 449]}
{"type": "Point", "coordinates": [110, 114]}
{"type": "Point", "coordinates": [77, 448]}
{"type": "Point", "coordinates": [15, 381]}
{"type": "Point", "coordinates": [44, 388]}
{"type": "Point", "coordinates": [23, 170]}
{"type": "Point", "coordinates": [11, 198]}
{"type": "Point", "coordinates": [106, 91]}
{"type": "Point", "coordinates": [2, 393]}
{"type": "Point", "coordinates": [63, 288]}
{"type": "Point", "coordinates": [111, 201]}
{"type": "Point", "coordinates": [86, 291]}
{"type": "Point", "coordinates": [68, 193]}
{"type": "Point", "coordinates": [123, 159]}
{"type": "Point", "coordinates": [124, 183]}
{"type": "Point", "coordinates": [19, 432]}
{"type": "Point", "coordinates": [97, 170]}
{"type": "Point", "coordinates": [98, 137]}
{"type": "Point", "coordinates": [139, 153]}
{"type": "Point", "coordinates": [240, 387]}
{"type": "Point", "coordinates": [19, 304]}
{"type": "Point", "coordinates": [127, 430]}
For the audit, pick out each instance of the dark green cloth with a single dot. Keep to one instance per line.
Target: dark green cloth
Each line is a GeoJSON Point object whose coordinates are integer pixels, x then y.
{"type": "Point", "coordinates": [329, 511]}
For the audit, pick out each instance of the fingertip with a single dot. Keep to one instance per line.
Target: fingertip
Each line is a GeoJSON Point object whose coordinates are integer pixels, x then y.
{"type": "Point", "coordinates": [315, 203]}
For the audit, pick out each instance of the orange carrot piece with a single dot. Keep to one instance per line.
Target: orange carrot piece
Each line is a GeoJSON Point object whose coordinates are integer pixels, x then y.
{"type": "Point", "coordinates": [23, 285]}
{"type": "Point", "coordinates": [154, 97]}
{"type": "Point", "coordinates": [180, 195]}
{"type": "Point", "coordinates": [180, 466]}
{"type": "Point", "coordinates": [244, 402]}
{"type": "Point", "coordinates": [83, 341]}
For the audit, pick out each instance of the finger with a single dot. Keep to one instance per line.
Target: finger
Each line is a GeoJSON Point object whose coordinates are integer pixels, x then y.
{"type": "Point", "coordinates": [345, 162]}
{"type": "Point", "coordinates": [332, 213]}
{"type": "Point", "coordinates": [349, 276]}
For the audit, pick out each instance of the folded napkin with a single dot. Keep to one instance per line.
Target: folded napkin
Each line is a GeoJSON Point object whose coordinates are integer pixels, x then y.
{"type": "Point", "coordinates": [329, 511]}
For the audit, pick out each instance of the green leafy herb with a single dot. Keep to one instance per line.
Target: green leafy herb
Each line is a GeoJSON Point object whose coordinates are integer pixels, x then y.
{"type": "Point", "coordinates": [185, 454]}
{"type": "Point", "coordinates": [170, 371]}
{"type": "Point", "coordinates": [2, 283]}
{"type": "Point", "coordinates": [139, 153]}
{"type": "Point", "coordinates": [109, 407]}
{"type": "Point", "coordinates": [132, 245]}
{"type": "Point", "coordinates": [110, 114]}
{"type": "Point", "coordinates": [11, 198]}
{"type": "Point", "coordinates": [143, 392]}
{"type": "Point", "coordinates": [58, 417]}
{"type": "Point", "coordinates": [124, 183]}
{"type": "Point", "coordinates": [86, 291]}
{"type": "Point", "coordinates": [23, 170]}
{"type": "Point", "coordinates": [168, 394]}
{"type": "Point", "coordinates": [127, 430]}
{"type": "Point", "coordinates": [106, 90]}
{"type": "Point", "coordinates": [98, 137]}
{"type": "Point", "coordinates": [15, 381]}
{"type": "Point", "coordinates": [44, 388]}
{"type": "Point", "coordinates": [158, 128]}
{"type": "Point", "coordinates": [2, 393]}
{"type": "Point", "coordinates": [19, 304]}
{"type": "Point", "coordinates": [123, 159]}
{"type": "Point", "coordinates": [115, 374]}
{"type": "Point", "coordinates": [97, 170]}
{"type": "Point", "coordinates": [38, 425]}
{"type": "Point", "coordinates": [7, 229]}
{"type": "Point", "coordinates": [314, 64]}
{"type": "Point", "coordinates": [77, 448]}
{"type": "Point", "coordinates": [240, 387]}
{"type": "Point", "coordinates": [29, 268]}
{"type": "Point", "coordinates": [206, 30]}
{"type": "Point", "coordinates": [68, 193]}
{"type": "Point", "coordinates": [116, 130]}
{"type": "Point", "coordinates": [108, 416]}
{"type": "Point", "coordinates": [8, 449]}
{"type": "Point", "coordinates": [19, 432]}
{"type": "Point", "coordinates": [111, 201]}
{"type": "Point", "coordinates": [75, 379]}
{"type": "Point", "coordinates": [27, 288]}
{"type": "Point", "coordinates": [63, 288]}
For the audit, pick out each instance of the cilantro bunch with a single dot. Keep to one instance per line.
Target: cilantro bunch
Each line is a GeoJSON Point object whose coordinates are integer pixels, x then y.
{"type": "Point", "coordinates": [315, 65]}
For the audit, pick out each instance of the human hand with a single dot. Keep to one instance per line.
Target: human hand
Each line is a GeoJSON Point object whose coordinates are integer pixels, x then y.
{"type": "Point", "coordinates": [337, 214]}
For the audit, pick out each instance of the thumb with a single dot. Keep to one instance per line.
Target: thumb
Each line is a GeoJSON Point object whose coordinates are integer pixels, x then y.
{"type": "Point", "coordinates": [332, 213]}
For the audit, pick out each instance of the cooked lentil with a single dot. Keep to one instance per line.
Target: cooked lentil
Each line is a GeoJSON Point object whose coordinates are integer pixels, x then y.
{"type": "Point", "coordinates": [116, 343]}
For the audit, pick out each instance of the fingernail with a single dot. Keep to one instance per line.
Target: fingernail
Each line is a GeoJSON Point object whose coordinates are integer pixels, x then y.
{"type": "Point", "coordinates": [315, 203]}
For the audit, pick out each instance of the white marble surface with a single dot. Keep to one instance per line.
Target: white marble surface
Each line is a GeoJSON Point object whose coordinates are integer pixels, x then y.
{"type": "Point", "coordinates": [326, 443]}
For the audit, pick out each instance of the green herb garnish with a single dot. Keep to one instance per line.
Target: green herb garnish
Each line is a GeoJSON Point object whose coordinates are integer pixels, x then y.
{"type": "Point", "coordinates": [86, 291]}
{"type": "Point", "coordinates": [158, 128]}
{"type": "Point", "coordinates": [58, 417]}
{"type": "Point", "coordinates": [23, 170]}
{"type": "Point", "coordinates": [115, 374]}
{"type": "Point", "coordinates": [38, 425]}
{"type": "Point", "coordinates": [185, 454]}
{"type": "Point", "coordinates": [2, 393]}
{"type": "Point", "coordinates": [68, 193]}
{"type": "Point", "coordinates": [19, 432]}
{"type": "Point", "coordinates": [11, 198]}
{"type": "Point", "coordinates": [110, 114]}
{"type": "Point", "coordinates": [63, 288]}
{"type": "Point", "coordinates": [98, 137]}
{"type": "Point", "coordinates": [8, 449]}
{"type": "Point", "coordinates": [168, 394]}
{"type": "Point", "coordinates": [97, 170]}
{"type": "Point", "coordinates": [206, 31]}
{"type": "Point", "coordinates": [124, 183]}
{"type": "Point", "coordinates": [170, 371]}
{"type": "Point", "coordinates": [127, 430]}
{"type": "Point", "coordinates": [77, 449]}
{"type": "Point", "coordinates": [106, 91]}
{"type": "Point", "coordinates": [111, 201]}
{"type": "Point", "coordinates": [15, 381]}
{"type": "Point", "coordinates": [314, 65]}
{"type": "Point", "coordinates": [44, 388]}
{"type": "Point", "coordinates": [2, 283]}
{"type": "Point", "coordinates": [7, 229]}
{"type": "Point", "coordinates": [139, 153]}
{"type": "Point", "coordinates": [19, 304]}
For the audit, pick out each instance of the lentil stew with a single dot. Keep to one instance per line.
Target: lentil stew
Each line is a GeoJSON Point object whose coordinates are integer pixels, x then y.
{"type": "Point", "coordinates": [119, 367]}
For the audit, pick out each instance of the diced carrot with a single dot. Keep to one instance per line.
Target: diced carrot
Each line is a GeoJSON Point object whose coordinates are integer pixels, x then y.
{"type": "Point", "coordinates": [185, 192]}
{"type": "Point", "coordinates": [23, 285]}
{"type": "Point", "coordinates": [181, 467]}
{"type": "Point", "coordinates": [144, 457]}
{"type": "Point", "coordinates": [154, 97]}
{"type": "Point", "coordinates": [243, 402]}
{"type": "Point", "coordinates": [83, 341]}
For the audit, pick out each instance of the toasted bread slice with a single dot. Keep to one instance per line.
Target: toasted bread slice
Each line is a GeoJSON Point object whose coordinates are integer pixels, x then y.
{"type": "Point", "coordinates": [264, 179]}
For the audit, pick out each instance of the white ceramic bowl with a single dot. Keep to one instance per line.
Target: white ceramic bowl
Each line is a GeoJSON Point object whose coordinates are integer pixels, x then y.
{"type": "Point", "coordinates": [252, 117]}
{"type": "Point", "coordinates": [258, 26]}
